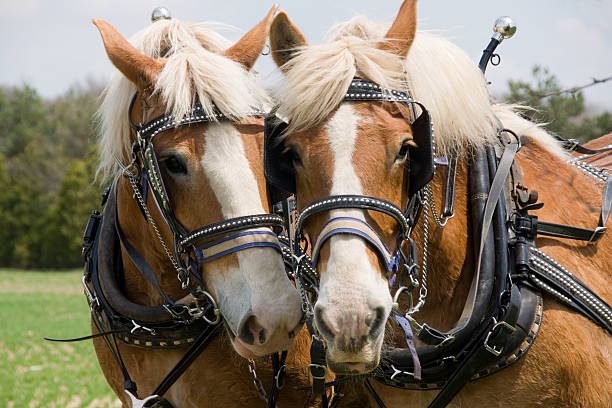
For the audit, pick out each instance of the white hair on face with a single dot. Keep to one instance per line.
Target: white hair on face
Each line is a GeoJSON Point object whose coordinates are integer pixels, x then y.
{"type": "Point", "coordinates": [194, 71]}
{"type": "Point", "coordinates": [439, 74]}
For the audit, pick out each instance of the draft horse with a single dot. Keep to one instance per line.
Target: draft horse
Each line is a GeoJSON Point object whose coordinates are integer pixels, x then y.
{"type": "Point", "coordinates": [468, 286]}
{"type": "Point", "coordinates": [185, 244]}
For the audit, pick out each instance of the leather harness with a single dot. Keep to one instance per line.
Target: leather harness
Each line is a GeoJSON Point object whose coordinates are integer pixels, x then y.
{"type": "Point", "coordinates": [503, 313]}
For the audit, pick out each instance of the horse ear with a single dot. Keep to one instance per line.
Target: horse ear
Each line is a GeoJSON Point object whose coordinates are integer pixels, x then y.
{"type": "Point", "coordinates": [285, 38]}
{"type": "Point", "coordinates": [141, 70]}
{"type": "Point", "coordinates": [400, 36]}
{"type": "Point", "coordinates": [248, 48]}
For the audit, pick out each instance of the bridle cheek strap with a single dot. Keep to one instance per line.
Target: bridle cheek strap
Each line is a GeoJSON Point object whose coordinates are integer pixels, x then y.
{"type": "Point", "coordinates": [355, 226]}
{"type": "Point", "coordinates": [237, 242]}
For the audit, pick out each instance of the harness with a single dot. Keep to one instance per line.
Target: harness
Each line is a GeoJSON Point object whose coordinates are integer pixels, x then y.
{"type": "Point", "coordinates": [171, 325]}
{"type": "Point", "coordinates": [503, 311]}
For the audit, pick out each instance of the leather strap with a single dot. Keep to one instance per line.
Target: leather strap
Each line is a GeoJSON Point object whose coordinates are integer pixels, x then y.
{"type": "Point", "coordinates": [188, 358]}
{"type": "Point", "coordinates": [449, 192]}
{"type": "Point", "coordinates": [237, 242]}
{"type": "Point", "coordinates": [606, 203]}
{"type": "Point", "coordinates": [566, 231]}
{"type": "Point", "coordinates": [353, 226]}
{"type": "Point", "coordinates": [278, 382]}
{"type": "Point", "coordinates": [494, 193]}
{"type": "Point", "coordinates": [488, 345]}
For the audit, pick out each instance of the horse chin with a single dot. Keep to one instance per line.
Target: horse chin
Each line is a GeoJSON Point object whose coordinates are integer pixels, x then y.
{"type": "Point", "coordinates": [255, 351]}
{"type": "Point", "coordinates": [352, 368]}
{"type": "Point", "coordinates": [347, 363]}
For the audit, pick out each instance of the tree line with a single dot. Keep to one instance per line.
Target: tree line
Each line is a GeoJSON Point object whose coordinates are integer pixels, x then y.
{"type": "Point", "coordinates": [48, 158]}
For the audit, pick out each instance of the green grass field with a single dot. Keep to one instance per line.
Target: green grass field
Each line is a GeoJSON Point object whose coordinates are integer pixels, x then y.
{"type": "Point", "coordinates": [37, 373]}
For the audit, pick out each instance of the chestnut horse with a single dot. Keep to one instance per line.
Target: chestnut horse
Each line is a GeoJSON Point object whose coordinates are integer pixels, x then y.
{"type": "Point", "coordinates": [363, 148]}
{"type": "Point", "coordinates": [211, 171]}
{"type": "Point", "coordinates": [603, 159]}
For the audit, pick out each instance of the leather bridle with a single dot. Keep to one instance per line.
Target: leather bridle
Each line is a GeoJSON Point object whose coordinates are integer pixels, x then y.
{"type": "Point", "coordinates": [186, 255]}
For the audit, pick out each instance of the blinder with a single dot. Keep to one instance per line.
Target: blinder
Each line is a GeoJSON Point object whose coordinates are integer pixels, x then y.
{"type": "Point", "coordinates": [279, 170]}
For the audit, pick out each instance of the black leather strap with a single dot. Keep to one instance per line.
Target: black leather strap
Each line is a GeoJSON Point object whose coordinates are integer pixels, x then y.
{"type": "Point", "coordinates": [278, 381]}
{"type": "Point", "coordinates": [188, 358]}
{"type": "Point", "coordinates": [487, 346]}
{"type": "Point", "coordinates": [566, 231]}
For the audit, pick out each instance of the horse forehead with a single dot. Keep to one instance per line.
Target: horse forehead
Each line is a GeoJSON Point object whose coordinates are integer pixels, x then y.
{"type": "Point", "coordinates": [229, 172]}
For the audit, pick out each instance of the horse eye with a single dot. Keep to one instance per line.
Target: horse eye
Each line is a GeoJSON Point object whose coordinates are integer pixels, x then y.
{"type": "Point", "coordinates": [293, 156]}
{"type": "Point", "coordinates": [175, 165]}
{"type": "Point", "coordinates": [403, 153]}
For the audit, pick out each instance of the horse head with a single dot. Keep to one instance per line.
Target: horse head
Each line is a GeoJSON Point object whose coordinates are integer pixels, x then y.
{"type": "Point", "coordinates": [343, 147]}
{"type": "Point", "coordinates": [203, 167]}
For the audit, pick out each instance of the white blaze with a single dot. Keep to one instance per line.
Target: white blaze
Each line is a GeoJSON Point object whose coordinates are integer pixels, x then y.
{"type": "Point", "coordinates": [350, 276]}
{"type": "Point", "coordinates": [259, 284]}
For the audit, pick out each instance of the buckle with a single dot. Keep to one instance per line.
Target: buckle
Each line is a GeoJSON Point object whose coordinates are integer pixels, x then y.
{"type": "Point", "coordinates": [597, 234]}
{"type": "Point", "coordinates": [317, 371]}
{"type": "Point", "coordinates": [491, 348]}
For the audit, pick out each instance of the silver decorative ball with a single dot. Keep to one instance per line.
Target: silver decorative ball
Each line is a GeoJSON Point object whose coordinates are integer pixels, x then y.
{"type": "Point", "coordinates": [505, 27]}
{"type": "Point", "coordinates": [160, 13]}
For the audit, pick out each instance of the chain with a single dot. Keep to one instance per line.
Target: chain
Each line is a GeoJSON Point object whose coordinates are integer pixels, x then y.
{"type": "Point", "coordinates": [431, 203]}
{"type": "Point", "coordinates": [423, 286]}
{"type": "Point", "coordinates": [172, 259]}
{"type": "Point", "coordinates": [257, 382]}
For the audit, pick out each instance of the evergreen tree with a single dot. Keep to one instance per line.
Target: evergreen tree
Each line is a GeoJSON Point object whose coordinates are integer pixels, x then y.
{"type": "Point", "coordinates": [66, 218]}
{"type": "Point", "coordinates": [564, 114]}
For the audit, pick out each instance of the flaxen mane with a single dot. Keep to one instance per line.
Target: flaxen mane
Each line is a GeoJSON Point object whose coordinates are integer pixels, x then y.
{"type": "Point", "coordinates": [438, 73]}
{"type": "Point", "coordinates": [194, 70]}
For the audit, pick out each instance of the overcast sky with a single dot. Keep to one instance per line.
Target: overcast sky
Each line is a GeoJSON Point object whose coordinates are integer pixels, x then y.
{"type": "Point", "coordinates": [53, 44]}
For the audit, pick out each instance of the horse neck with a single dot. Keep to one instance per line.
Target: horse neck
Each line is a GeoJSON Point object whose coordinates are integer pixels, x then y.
{"type": "Point", "coordinates": [141, 236]}
{"type": "Point", "coordinates": [450, 258]}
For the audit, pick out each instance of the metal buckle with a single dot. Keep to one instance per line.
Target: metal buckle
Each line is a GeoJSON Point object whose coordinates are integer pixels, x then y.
{"type": "Point", "coordinates": [597, 234]}
{"type": "Point", "coordinates": [492, 349]}
{"type": "Point", "coordinates": [317, 371]}
{"type": "Point", "coordinates": [91, 299]}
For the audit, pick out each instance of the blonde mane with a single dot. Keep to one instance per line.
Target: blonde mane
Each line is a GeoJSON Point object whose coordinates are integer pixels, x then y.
{"type": "Point", "coordinates": [194, 70]}
{"type": "Point", "coordinates": [438, 73]}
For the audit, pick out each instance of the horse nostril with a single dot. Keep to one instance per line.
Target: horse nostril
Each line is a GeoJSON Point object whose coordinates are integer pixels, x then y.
{"type": "Point", "coordinates": [376, 321]}
{"type": "Point", "coordinates": [251, 331]}
{"type": "Point", "coordinates": [322, 325]}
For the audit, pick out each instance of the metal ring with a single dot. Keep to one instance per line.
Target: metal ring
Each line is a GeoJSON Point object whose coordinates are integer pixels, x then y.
{"type": "Point", "coordinates": [216, 310]}
{"type": "Point", "coordinates": [495, 62]}
{"type": "Point", "coordinates": [395, 304]}
{"type": "Point", "coordinates": [518, 139]}
{"type": "Point", "coordinates": [279, 378]}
